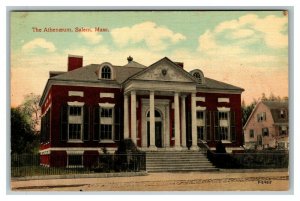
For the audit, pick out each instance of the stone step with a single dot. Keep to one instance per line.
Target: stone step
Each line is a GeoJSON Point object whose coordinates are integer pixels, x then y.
{"type": "Point", "coordinates": [179, 165]}
{"type": "Point", "coordinates": [206, 169]}
{"type": "Point", "coordinates": [169, 161]}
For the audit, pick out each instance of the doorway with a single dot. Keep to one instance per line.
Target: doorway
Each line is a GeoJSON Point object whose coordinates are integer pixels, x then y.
{"type": "Point", "coordinates": [158, 129]}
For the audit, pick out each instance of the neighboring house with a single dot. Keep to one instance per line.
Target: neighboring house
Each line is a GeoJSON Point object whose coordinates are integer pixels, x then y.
{"type": "Point", "coordinates": [268, 126]}
{"type": "Point", "coordinates": [160, 107]}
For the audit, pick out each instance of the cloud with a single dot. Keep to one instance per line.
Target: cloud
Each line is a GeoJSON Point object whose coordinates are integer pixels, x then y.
{"type": "Point", "coordinates": [38, 43]}
{"type": "Point", "coordinates": [156, 37]}
{"type": "Point", "coordinates": [271, 28]}
{"type": "Point", "coordinates": [91, 37]}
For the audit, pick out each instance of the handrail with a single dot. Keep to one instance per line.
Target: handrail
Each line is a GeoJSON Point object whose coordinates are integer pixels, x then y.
{"type": "Point", "coordinates": [204, 146]}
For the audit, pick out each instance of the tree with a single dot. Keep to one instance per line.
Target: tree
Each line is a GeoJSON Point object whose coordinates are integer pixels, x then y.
{"type": "Point", "coordinates": [247, 110]}
{"type": "Point", "coordinates": [23, 138]}
{"type": "Point", "coordinates": [32, 111]}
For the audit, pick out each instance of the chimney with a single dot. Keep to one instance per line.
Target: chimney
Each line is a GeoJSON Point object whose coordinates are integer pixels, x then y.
{"type": "Point", "coordinates": [74, 62]}
{"type": "Point", "coordinates": [181, 64]}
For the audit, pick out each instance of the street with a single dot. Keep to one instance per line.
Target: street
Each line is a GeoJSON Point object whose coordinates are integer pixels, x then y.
{"type": "Point", "coordinates": [192, 181]}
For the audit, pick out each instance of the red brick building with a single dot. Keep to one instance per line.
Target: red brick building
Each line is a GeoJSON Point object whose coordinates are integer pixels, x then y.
{"type": "Point", "coordinates": [159, 107]}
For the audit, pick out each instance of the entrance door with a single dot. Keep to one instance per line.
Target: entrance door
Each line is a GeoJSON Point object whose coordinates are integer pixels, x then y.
{"type": "Point", "coordinates": [157, 129]}
{"type": "Point", "coordinates": [158, 140]}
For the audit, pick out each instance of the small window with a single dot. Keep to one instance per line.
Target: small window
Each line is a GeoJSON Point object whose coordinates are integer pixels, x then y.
{"type": "Point", "coordinates": [198, 76]}
{"type": "Point", "coordinates": [265, 131]}
{"type": "Point", "coordinates": [75, 111]}
{"type": "Point", "coordinates": [223, 115]}
{"type": "Point", "coordinates": [282, 114]}
{"type": "Point", "coordinates": [75, 160]}
{"type": "Point", "coordinates": [282, 130]}
{"type": "Point", "coordinates": [224, 133]}
{"type": "Point", "coordinates": [200, 115]}
{"type": "Point", "coordinates": [200, 132]}
{"type": "Point", "coordinates": [106, 132]}
{"type": "Point", "coordinates": [106, 72]}
{"type": "Point", "coordinates": [251, 133]}
{"type": "Point", "coordinates": [74, 131]}
{"type": "Point", "coordinates": [106, 112]}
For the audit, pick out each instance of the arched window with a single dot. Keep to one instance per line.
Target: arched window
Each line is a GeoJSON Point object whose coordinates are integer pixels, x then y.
{"type": "Point", "coordinates": [198, 76]}
{"type": "Point", "coordinates": [106, 72]}
{"type": "Point", "coordinates": [156, 114]}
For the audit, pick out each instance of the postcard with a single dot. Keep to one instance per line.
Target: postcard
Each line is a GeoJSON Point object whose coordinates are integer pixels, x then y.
{"type": "Point", "coordinates": [141, 100]}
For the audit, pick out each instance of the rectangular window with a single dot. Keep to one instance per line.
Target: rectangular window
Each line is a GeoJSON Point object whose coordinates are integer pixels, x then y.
{"type": "Point", "coordinates": [282, 114]}
{"type": "Point", "coordinates": [106, 123]}
{"type": "Point", "coordinates": [74, 131]}
{"type": "Point", "coordinates": [75, 120]}
{"type": "Point", "coordinates": [106, 132]}
{"type": "Point", "coordinates": [200, 133]}
{"type": "Point", "coordinates": [200, 115]}
{"type": "Point", "coordinates": [74, 111]}
{"type": "Point", "coordinates": [224, 125]}
{"type": "Point", "coordinates": [251, 133]}
{"type": "Point", "coordinates": [223, 115]}
{"type": "Point", "coordinates": [265, 131]}
{"type": "Point", "coordinates": [282, 130]}
{"type": "Point", "coordinates": [106, 112]}
{"type": "Point", "coordinates": [74, 161]}
{"type": "Point", "coordinates": [224, 133]}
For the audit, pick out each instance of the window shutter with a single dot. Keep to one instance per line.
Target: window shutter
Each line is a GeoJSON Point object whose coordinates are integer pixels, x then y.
{"type": "Point", "coordinates": [216, 126]}
{"type": "Point", "coordinates": [64, 122]}
{"type": "Point", "coordinates": [86, 120]}
{"type": "Point", "coordinates": [96, 123]}
{"type": "Point", "coordinates": [208, 125]}
{"type": "Point", "coordinates": [117, 124]}
{"type": "Point", "coordinates": [232, 126]}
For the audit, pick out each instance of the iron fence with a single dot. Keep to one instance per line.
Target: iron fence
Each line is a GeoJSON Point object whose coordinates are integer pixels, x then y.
{"type": "Point", "coordinates": [32, 165]}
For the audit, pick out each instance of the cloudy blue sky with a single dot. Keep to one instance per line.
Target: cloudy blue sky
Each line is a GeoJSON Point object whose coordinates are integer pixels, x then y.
{"type": "Point", "coordinates": [248, 49]}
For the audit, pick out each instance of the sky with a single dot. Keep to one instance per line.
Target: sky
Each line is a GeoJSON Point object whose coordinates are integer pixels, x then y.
{"type": "Point", "coordinates": [248, 49]}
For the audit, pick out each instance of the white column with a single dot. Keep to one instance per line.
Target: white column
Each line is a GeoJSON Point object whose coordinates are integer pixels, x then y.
{"type": "Point", "coordinates": [152, 121]}
{"type": "Point", "coordinates": [183, 122]}
{"type": "Point", "coordinates": [177, 121]}
{"type": "Point", "coordinates": [126, 128]}
{"type": "Point", "coordinates": [194, 123]}
{"type": "Point", "coordinates": [167, 126]}
{"type": "Point", "coordinates": [133, 116]}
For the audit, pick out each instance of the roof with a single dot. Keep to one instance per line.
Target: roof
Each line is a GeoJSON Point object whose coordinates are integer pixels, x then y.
{"type": "Point", "coordinates": [275, 108]}
{"type": "Point", "coordinates": [214, 84]}
{"type": "Point", "coordinates": [135, 65]}
{"type": "Point", "coordinates": [89, 74]}
{"type": "Point", "coordinates": [122, 73]}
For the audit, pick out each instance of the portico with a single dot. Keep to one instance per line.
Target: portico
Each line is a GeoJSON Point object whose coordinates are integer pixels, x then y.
{"type": "Point", "coordinates": [156, 119]}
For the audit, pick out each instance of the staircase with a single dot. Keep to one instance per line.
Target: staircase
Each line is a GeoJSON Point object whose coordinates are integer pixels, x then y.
{"type": "Point", "coordinates": [171, 161]}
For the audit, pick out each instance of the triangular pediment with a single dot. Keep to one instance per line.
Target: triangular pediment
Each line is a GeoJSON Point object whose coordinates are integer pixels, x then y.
{"type": "Point", "coordinates": [164, 70]}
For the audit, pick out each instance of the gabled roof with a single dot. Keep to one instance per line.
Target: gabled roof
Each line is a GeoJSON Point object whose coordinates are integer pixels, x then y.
{"type": "Point", "coordinates": [174, 64]}
{"type": "Point", "coordinates": [129, 71]}
{"type": "Point", "coordinates": [275, 108]}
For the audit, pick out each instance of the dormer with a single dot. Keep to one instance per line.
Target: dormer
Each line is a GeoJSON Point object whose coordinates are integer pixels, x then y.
{"type": "Point", "coordinates": [106, 72]}
{"type": "Point", "coordinates": [198, 74]}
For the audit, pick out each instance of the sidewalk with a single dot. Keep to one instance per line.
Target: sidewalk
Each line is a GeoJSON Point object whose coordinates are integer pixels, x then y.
{"type": "Point", "coordinates": [193, 181]}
